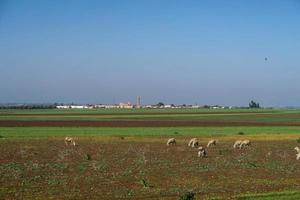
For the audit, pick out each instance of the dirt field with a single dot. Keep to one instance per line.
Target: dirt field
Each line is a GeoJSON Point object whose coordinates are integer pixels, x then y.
{"type": "Point", "coordinates": [124, 168]}
{"type": "Point", "coordinates": [138, 123]}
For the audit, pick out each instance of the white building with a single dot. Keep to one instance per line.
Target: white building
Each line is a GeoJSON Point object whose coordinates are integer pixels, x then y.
{"type": "Point", "coordinates": [125, 105]}
{"type": "Point", "coordinates": [62, 107]}
{"type": "Point", "coordinates": [74, 107]}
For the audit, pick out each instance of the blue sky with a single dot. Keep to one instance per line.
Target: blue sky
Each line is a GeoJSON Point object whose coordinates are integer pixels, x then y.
{"type": "Point", "coordinates": [205, 52]}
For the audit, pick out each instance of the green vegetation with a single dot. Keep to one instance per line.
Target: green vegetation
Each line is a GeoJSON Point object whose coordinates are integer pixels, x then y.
{"type": "Point", "coordinates": [241, 133]}
{"type": "Point", "coordinates": [274, 195]}
{"type": "Point", "coordinates": [40, 132]}
{"type": "Point", "coordinates": [188, 196]}
{"type": "Point", "coordinates": [225, 115]}
{"type": "Point", "coordinates": [253, 104]}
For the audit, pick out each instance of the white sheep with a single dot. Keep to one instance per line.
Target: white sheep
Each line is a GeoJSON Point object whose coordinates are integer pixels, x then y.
{"type": "Point", "coordinates": [202, 152]}
{"type": "Point", "coordinates": [193, 142]}
{"type": "Point", "coordinates": [297, 149]}
{"type": "Point", "coordinates": [69, 140]}
{"type": "Point", "coordinates": [298, 153]}
{"type": "Point", "coordinates": [211, 142]}
{"type": "Point", "coordinates": [171, 141]}
{"type": "Point", "coordinates": [245, 143]}
{"type": "Point", "coordinates": [237, 144]}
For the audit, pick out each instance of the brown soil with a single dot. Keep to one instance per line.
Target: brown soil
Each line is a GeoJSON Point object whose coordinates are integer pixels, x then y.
{"type": "Point", "coordinates": [115, 169]}
{"type": "Point", "coordinates": [138, 123]}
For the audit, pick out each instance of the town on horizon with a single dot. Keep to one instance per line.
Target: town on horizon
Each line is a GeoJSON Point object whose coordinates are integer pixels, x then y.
{"type": "Point", "coordinates": [128, 105]}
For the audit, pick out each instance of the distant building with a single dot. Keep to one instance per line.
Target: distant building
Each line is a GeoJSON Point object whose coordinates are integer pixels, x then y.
{"type": "Point", "coordinates": [99, 106]}
{"type": "Point", "coordinates": [196, 106]}
{"type": "Point", "coordinates": [138, 102]}
{"type": "Point", "coordinates": [168, 106]}
{"type": "Point", "coordinates": [105, 106]}
{"type": "Point", "coordinates": [111, 106]}
{"type": "Point", "coordinates": [79, 107]}
{"type": "Point", "coordinates": [125, 105]}
{"type": "Point", "coordinates": [74, 107]}
{"type": "Point", "coordinates": [218, 107]}
{"type": "Point", "coordinates": [63, 107]}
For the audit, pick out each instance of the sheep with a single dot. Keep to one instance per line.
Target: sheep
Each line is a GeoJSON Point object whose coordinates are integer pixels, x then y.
{"type": "Point", "coordinates": [237, 144]}
{"type": "Point", "coordinates": [202, 152]}
{"type": "Point", "coordinates": [211, 142]}
{"type": "Point", "coordinates": [171, 141]}
{"type": "Point", "coordinates": [245, 143]}
{"type": "Point", "coordinates": [69, 140]}
{"type": "Point", "coordinates": [298, 153]}
{"type": "Point", "coordinates": [297, 149]}
{"type": "Point", "coordinates": [193, 142]}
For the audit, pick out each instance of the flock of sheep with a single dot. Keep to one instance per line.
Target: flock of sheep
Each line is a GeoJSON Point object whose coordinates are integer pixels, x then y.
{"type": "Point", "coordinates": [240, 144]}
{"type": "Point", "coordinates": [194, 143]}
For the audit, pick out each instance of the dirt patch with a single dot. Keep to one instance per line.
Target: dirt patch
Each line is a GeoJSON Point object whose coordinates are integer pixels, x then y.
{"type": "Point", "coordinates": [120, 169]}
{"type": "Point", "coordinates": [138, 123]}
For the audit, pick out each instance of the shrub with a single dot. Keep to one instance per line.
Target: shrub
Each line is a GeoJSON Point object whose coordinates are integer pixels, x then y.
{"type": "Point", "coordinates": [1, 136]}
{"type": "Point", "coordinates": [88, 156]}
{"type": "Point", "coordinates": [298, 140]}
{"type": "Point", "coordinates": [144, 183]}
{"type": "Point", "coordinates": [176, 133]}
{"type": "Point", "coordinates": [241, 133]}
{"type": "Point", "coordinates": [130, 192]}
{"type": "Point", "coordinates": [188, 196]}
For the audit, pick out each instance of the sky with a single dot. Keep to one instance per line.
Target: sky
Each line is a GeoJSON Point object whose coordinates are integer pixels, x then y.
{"type": "Point", "coordinates": [174, 51]}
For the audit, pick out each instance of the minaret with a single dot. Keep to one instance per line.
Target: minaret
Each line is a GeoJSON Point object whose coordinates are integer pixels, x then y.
{"type": "Point", "coordinates": [138, 102]}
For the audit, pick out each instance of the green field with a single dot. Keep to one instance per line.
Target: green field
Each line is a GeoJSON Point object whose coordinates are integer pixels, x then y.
{"type": "Point", "coordinates": [44, 132]}
{"type": "Point", "coordinates": [226, 115]}
{"type": "Point", "coordinates": [271, 196]}
{"type": "Point", "coordinates": [238, 115]}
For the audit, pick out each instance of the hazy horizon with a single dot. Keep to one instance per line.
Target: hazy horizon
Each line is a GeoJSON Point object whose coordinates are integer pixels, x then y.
{"type": "Point", "coordinates": [246, 104]}
{"type": "Point", "coordinates": [181, 52]}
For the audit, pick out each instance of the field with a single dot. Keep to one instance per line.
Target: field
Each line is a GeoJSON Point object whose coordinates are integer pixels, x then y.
{"type": "Point", "coordinates": [152, 117]}
{"type": "Point", "coordinates": [121, 154]}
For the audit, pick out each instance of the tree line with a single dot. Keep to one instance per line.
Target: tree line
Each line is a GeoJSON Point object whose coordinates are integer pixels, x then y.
{"type": "Point", "coordinates": [51, 106]}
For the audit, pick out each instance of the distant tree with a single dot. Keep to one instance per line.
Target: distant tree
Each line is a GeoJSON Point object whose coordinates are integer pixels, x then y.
{"type": "Point", "coordinates": [28, 106]}
{"type": "Point", "coordinates": [253, 104]}
{"type": "Point", "coordinates": [160, 104]}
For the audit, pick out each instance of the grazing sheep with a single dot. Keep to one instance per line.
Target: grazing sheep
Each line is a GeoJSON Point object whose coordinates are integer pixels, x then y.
{"type": "Point", "coordinates": [298, 156]}
{"type": "Point", "coordinates": [298, 153]}
{"type": "Point", "coordinates": [202, 152]}
{"type": "Point", "coordinates": [297, 149]}
{"type": "Point", "coordinates": [245, 143]}
{"type": "Point", "coordinates": [237, 144]}
{"type": "Point", "coordinates": [193, 142]}
{"type": "Point", "coordinates": [69, 140]}
{"type": "Point", "coordinates": [211, 142]}
{"type": "Point", "coordinates": [171, 141]}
